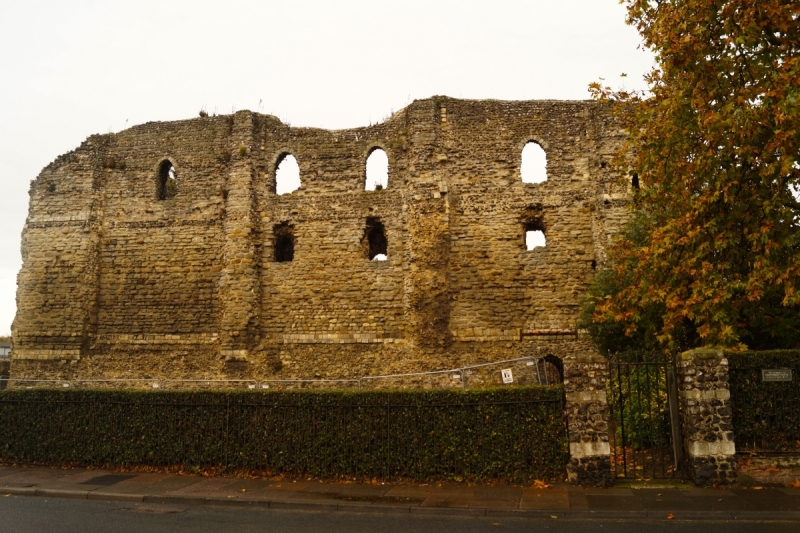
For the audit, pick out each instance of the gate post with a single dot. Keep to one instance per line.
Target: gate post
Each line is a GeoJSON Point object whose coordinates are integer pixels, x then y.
{"type": "Point", "coordinates": [585, 378]}
{"type": "Point", "coordinates": [707, 417]}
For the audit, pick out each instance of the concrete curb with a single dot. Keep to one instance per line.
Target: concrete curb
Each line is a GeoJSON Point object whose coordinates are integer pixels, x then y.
{"type": "Point", "coordinates": [19, 491]}
{"type": "Point", "coordinates": [235, 502]}
{"type": "Point", "coordinates": [62, 493]}
{"type": "Point", "coordinates": [186, 500]}
{"type": "Point", "coordinates": [115, 497]}
{"type": "Point", "coordinates": [464, 511]}
{"type": "Point", "coordinates": [761, 515]}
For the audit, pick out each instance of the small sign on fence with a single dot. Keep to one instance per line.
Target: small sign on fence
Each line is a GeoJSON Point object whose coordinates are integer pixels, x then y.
{"type": "Point", "coordinates": [776, 374]}
{"type": "Point", "coordinates": [508, 377]}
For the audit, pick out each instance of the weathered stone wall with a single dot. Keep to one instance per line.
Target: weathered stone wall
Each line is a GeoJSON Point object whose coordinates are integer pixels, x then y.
{"type": "Point", "coordinates": [707, 423]}
{"type": "Point", "coordinates": [585, 377]}
{"type": "Point", "coordinates": [5, 366]}
{"type": "Point", "coordinates": [757, 469]}
{"type": "Point", "coordinates": [116, 283]}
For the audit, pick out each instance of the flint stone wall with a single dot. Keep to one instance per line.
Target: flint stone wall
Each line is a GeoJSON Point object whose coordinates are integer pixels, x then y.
{"type": "Point", "coordinates": [585, 377]}
{"type": "Point", "coordinates": [116, 283]}
{"type": "Point", "coordinates": [707, 423]}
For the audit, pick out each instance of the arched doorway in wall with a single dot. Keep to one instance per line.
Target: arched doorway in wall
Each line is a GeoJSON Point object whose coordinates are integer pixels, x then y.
{"type": "Point", "coordinates": [287, 174]}
{"type": "Point", "coordinates": [377, 171]}
{"type": "Point", "coordinates": [553, 370]}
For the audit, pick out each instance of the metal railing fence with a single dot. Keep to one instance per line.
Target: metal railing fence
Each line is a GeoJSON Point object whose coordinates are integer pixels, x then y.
{"type": "Point", "coordinates": [529, 370]}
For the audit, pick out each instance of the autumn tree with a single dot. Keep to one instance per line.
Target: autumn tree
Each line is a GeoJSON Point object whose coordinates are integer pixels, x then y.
{"type": "Point", "coordinates": [712, 253]}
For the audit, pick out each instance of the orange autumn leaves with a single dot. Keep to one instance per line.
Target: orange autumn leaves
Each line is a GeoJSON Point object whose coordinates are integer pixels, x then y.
{"type": "Point", "coordinates": [715, 143]}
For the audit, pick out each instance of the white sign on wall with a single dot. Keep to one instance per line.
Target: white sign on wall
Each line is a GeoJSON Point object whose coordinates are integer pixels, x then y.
{"type": "Point", "coordinates": [508, 377]}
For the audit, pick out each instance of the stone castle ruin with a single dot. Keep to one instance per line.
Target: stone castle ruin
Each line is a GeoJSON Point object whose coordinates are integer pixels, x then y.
{"type": "Point", "coordinates": [164, 250]}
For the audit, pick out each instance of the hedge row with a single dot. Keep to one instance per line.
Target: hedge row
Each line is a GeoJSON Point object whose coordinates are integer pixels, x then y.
{"type": "Point", "coordinates": [766, 415]}
{"type": "Point", "coordinates": [512, 433]}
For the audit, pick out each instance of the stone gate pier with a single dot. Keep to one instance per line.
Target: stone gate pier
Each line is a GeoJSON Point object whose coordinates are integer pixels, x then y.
{"type": "Point", "coordinates": [585, 377]}
{"type": "Point", "coordinates": [707, 423]}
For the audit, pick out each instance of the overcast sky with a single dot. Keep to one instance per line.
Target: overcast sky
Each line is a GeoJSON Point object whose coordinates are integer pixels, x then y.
{"type": "Point", "coordinates": [69, 69]}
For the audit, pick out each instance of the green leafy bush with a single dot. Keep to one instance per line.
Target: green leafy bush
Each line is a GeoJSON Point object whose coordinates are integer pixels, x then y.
{"type": "Point", "coordinates": [517, 434]}
{"type": "Point", "coordinates": [639, 407]}
{"type": "Point", "coordinates": [766, 415]}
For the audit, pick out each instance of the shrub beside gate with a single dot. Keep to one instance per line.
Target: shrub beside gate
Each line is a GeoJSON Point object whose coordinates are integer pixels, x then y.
{"type": "Point", "coordinates": [766, 414]}
{"type": "Point", "coordinates": [516, 433]}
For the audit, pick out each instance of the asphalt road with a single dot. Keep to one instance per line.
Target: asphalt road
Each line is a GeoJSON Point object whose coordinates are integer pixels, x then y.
{"type": "Point", "coordinates": [20, 514]}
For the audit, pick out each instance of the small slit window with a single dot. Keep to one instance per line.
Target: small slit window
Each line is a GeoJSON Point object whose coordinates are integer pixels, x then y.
{"type": "Point", "coordinates": [283, 235]}
{"type": "Point", "coordinates": [534, 235]}
{"type": "Point", "coordinates": [635, 181]}
{"type": "Point", "coordinates": [533, 168]}
{"type": "Point", "coordinates": [377, 173]}
{"type": "Point", "coordinates": [287, 175]}
{"type": "Point", "coordinates": [167, 181]}
{"type": "Point", "coordinates": [374, 241]}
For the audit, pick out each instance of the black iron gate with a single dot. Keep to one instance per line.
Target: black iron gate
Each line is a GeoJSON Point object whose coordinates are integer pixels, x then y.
{"type": "Point", "coordinates": [644, 422]}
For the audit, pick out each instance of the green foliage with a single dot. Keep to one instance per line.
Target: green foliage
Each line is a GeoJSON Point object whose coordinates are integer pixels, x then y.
{"type": "Point", "coordinates": [514, 433]}
{"type": "Point", "coordinates": [766, 415]}
{"type": "Point", "coordinates": [615, 334]}
{"type": "Point", "coordinates": [715, 144]}
{"type": "Point", "coordinates": [639, 407]}
{"type": "Point", "coordinates": [171, 186]}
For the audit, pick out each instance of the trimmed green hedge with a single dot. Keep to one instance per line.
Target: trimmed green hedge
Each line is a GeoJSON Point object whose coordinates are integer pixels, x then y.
{"type": "Point", "coordinates": [766, 415]}
{"type": "Point", "coordinates": [515, 433]}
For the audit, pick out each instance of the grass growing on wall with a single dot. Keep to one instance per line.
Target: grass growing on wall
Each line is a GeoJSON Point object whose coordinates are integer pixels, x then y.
{"type": "Point", "coordinates": [516, 433]}
{"type": "Point", "coordinates": [766, 415]}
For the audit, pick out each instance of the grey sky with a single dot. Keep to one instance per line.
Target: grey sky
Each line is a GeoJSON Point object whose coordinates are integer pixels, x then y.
{"type": "Point", "coordinates": [71, 69]}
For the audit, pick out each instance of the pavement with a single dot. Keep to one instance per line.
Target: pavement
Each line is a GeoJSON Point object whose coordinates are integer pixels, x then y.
{"type": "Point", "coordinates": [663, 500]}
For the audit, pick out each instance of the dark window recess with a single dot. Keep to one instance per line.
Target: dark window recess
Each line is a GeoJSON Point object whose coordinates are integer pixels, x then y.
{"type": "Point", "coordinates": [635, 181]}
{"type": "Point", "coordinates": [167, 181]}
{"type": "Point", "coordinates": [374, 240]}
{"type": "Point", "coordinates": [284, 242]}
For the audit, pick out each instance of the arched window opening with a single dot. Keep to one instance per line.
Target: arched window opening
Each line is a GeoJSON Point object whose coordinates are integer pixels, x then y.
{"type": "Point", "coordinates": [554, 370]}
{"type": "Point", "coordinates": [534, 235]}
{"type": "Point", "coordinates": [534, 164]}
{"type": "Point", "coordinates": [283, 234]}
{"type": "Point", "coordinates": [635, 181]}
{"type": "Point", "coordinates": [167, 181]}
{"type": "Point", "coordinates": [377, 171]}
{"type": "Point", "coordinates": [287, 175]}
{"type": "Point", "coordinates": [374, 241]}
